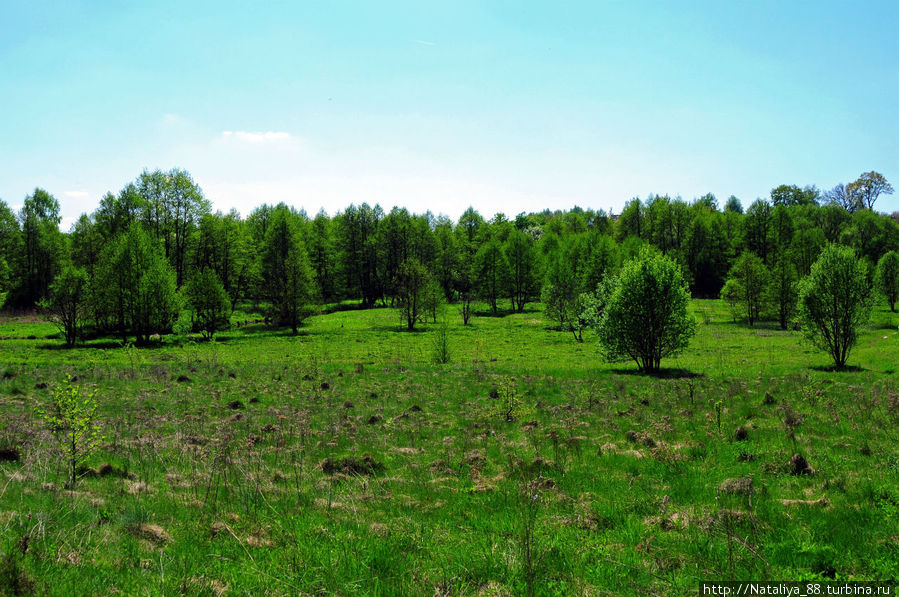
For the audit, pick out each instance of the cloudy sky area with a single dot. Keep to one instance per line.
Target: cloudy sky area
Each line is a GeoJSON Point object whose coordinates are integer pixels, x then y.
{"type": "Point", "coordinates": [506, 106]}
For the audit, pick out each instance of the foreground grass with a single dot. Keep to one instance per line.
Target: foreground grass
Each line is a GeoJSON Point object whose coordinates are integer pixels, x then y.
{"type": "Point", "coordinates": [343, 461]}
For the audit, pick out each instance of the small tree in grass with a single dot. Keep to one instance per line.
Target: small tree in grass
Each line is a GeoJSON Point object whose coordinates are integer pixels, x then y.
{"type": "Point", "coordinates": [413, 282]}
{"type": "Point", "coordinates": [644, 316]}
{"type": "Point", "coordinates": [71, 419]}
{"type": "Point", "coordinates": [834, 301]}
{"type": "Point", "coordinates": [887, 278]}
{"type": "Point", "coordinates": [209, 303]}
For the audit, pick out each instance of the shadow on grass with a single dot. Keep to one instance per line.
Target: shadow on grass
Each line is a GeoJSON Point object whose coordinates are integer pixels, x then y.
{"type": "Point", "coordinates": [835, 369]}
{"type": "Point", "coordinates": [92, 345]}
{"type": "Point", "coordinates": [499, 313]}
{"type": "Point", "coordinates": [663, 373]}
{"type": "Point", "coordinates": [401, 328]}
{"type": "Point", "coordinates": [262, 330]}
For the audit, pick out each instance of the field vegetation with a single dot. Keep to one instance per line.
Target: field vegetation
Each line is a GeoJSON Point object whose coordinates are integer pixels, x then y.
{"type": "Point", "coordinates": [343, 460]}
{"type": "Point", "coordinates": [388, 404]}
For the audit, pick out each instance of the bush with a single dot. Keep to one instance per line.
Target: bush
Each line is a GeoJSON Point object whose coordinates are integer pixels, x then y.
{"type": "Point", "coordinates": [834, 301]}
{"type": "Point", "coordinates": [645, 312]}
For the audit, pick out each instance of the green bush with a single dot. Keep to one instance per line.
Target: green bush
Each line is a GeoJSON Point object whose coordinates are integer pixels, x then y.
{"type": "Point", "coordinates": [645, 315]}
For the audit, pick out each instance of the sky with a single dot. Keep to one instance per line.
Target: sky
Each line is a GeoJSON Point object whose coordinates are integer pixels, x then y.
{"type": "Point", "coordinates": [505, 106]}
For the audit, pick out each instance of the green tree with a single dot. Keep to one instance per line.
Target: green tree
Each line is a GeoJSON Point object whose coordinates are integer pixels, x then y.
{"type": "Point", "coordinates": [86, 243]}
{"type": "Point", "coordinates": [208, 302]}
{"type": "Point", "coordinates": [448, 257]}
{"type": "Point", "coordinates": [135, 287]}
{"type": "Point", "coordinates": [887, 278]}
{"type": "Point", "coordinates": [322, 256]}
{"type": "Point", "coordinates": [414, 285]}
{"type": "Point", "coordinates": [782, 290]}
{"type": "Point", "coordinates": [286, 270]}
{"type": "Point", "coordinates": [66, 306]}
{"type": "Point", "coordinates": [521, 256]}
{"type": "Point", "coordinates": [357, 242]}
{"type": "Point", "coordinates": [733, 205]}
{"type": "Point", "coordinates": [560, 290]}
{"type": "Point", "coordinates": [792, 195]}
{"type": "Point", "coordinates": [645, 313]}
{"type": "Point", "coordinates": [172, 204]}
{"type": "Point", "coordinates": [491, 270]}
{"type": "Point", "coordinates": [10, 250]}
{"type": "Point", "coordinates": [835, 301]}
{"type": "Point", "coordinates": [42, 246]}
{"type": "Point", "coordinates": [219, 245]}
{"type": "Point", "coordinates": [116, 213]}
{"type": "Point", "coordinates": [864, 191]}
{"type": "Point", "coordinates": [631, 220]}
{"type": "Point", "coordinates": [750, 284]}
{"type": "Point", "coordinates": [757, 228]}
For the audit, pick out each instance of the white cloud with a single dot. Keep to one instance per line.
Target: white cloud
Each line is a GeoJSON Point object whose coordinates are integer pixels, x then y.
{"type": "Point", "coordinates": [256, 137]}
{"type": "Point", "coordinates": [170, 118]}
{"type": "Point", "coordinates": [76, 194]}
{"type": "Point", "coordinates": [425, 43]}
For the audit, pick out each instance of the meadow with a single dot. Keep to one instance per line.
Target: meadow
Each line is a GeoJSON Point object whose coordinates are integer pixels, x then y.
{"type": "Point", "coordinates": [344, 460]}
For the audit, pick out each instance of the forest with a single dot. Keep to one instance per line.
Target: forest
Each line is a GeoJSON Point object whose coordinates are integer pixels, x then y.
{"type": "Point", "coordinates": [154, 257]}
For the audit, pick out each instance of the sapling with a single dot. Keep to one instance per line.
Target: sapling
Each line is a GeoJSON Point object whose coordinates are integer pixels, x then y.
{"type": "Point", "coordinates": [71, 419]}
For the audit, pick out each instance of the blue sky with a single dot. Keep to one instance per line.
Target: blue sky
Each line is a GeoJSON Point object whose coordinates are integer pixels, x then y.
{"type": "Point", "coordinates": [507, 106]}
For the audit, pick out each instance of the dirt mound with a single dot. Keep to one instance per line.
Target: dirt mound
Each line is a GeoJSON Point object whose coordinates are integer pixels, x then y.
{"type": "Point", "coordinates": [352, 465]}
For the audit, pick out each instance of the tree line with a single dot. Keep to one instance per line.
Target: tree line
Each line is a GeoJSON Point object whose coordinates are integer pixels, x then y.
{"type": "Point", "coordinates": [156, 250]}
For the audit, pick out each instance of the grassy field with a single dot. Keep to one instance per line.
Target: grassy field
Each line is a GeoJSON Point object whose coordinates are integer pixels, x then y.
{"type": "Point", "coordinates": [345, 461]}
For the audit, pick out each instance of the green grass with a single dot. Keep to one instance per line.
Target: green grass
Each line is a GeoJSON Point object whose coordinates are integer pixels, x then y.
{"type": "Point", "coordinates": [297, 493]}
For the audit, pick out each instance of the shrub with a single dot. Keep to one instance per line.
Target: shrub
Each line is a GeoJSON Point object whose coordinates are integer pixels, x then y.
{"type": "Point", "coordinates": [645, 315]}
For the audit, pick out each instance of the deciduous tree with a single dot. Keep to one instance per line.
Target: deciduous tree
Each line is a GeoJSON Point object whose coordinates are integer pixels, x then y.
{"type": "Point", "coordinates": [887, 278]}
{"type": "Point", "coordinates": [835, 301]}
{"type": "Point", "coordinates": [645, 315]}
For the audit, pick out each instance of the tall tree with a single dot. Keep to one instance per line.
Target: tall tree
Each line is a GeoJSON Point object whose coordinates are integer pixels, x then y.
{"type": "Point", "coordinates": [10, 250]}
{"type": "Point", "coordinates": [491, 270]}
{"type": "Point", "coordinates": [864, 191]}
{"type": "Point", "coordinates": [357, 239]}
{"type": "Point", "coordinates": [116, 212]}
{"type": "Point", "coordinates": [758, 229]}
{"type": "Point", "coordinates": [86, 243]}
{"type": "Point", "coordinates": [172, 203]}
{"type": "Point", "coordinates": [322, 257]}
{"type": "Point", "coordinates": [286, 271]}
{"type": "Point", "coordinates": [42, 244]}
{"type": "Point", "coordinates": [521, 257]}
{"type": "Point", "coordinates": [135, 287]}
{"type": "Point", "coordinates": [782, 289]}
{"type": "Point", "coordinates": [788, 195]}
